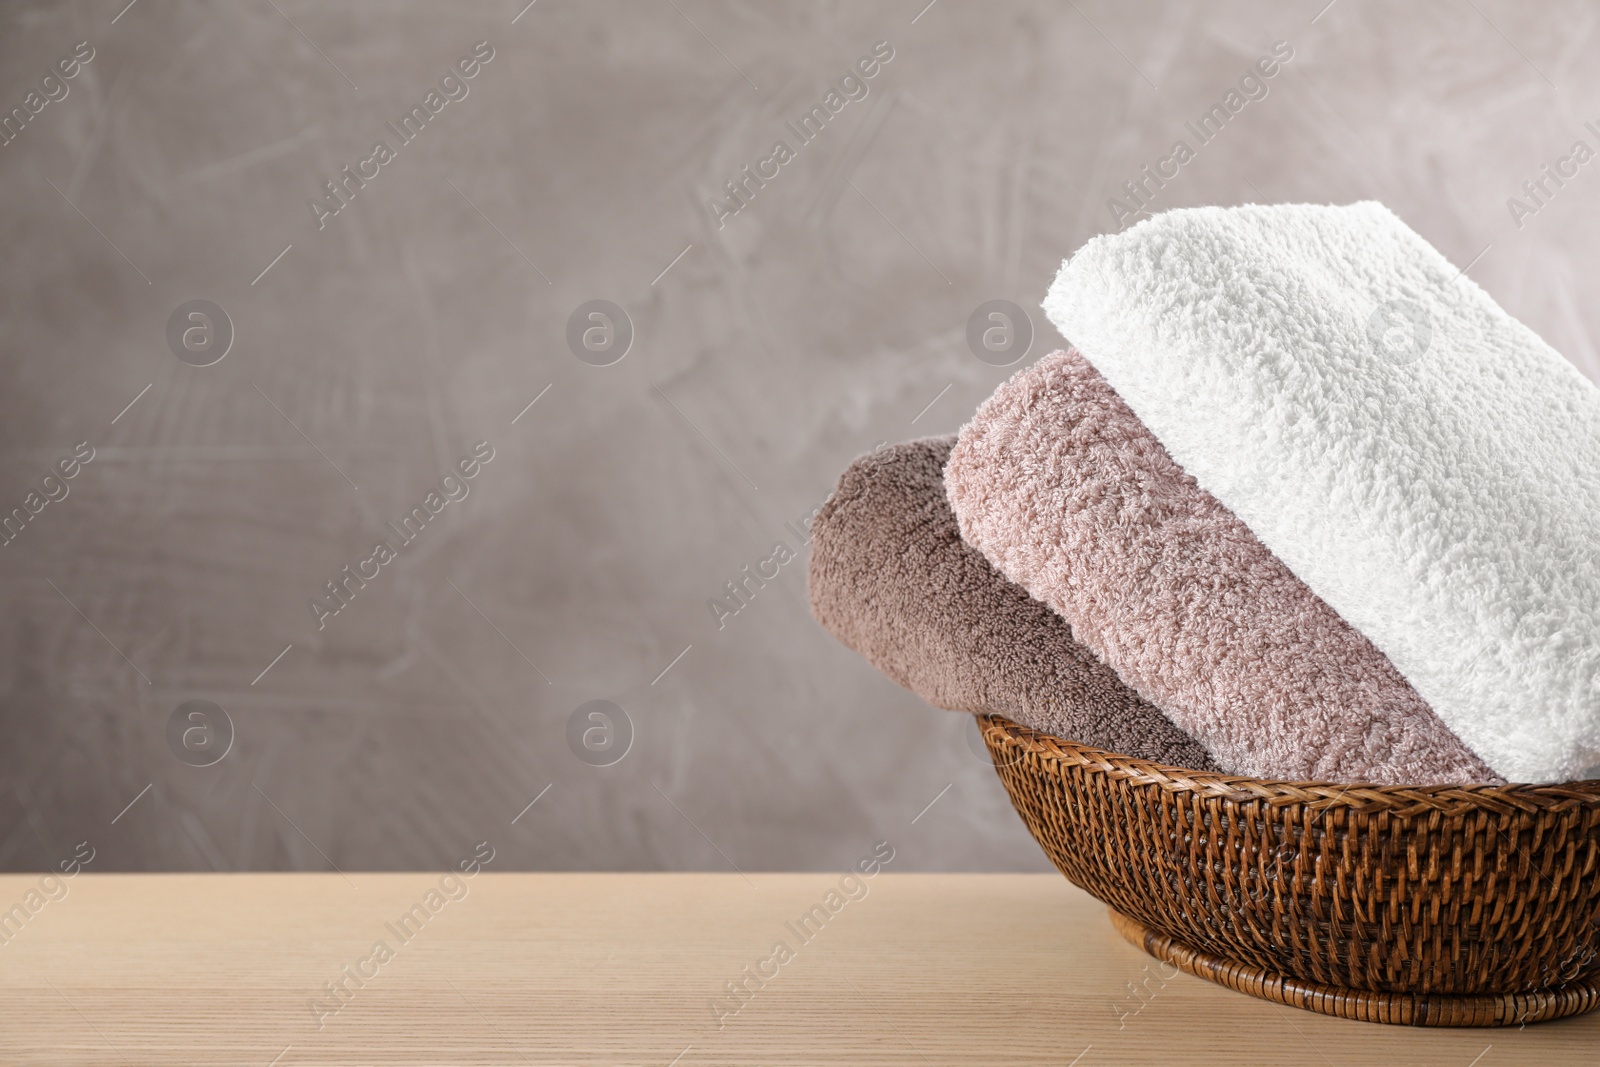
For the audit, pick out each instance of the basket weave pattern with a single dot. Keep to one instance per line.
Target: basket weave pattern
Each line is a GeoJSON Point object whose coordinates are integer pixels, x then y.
{"type": "Point", "coordinates": [1454, 891]}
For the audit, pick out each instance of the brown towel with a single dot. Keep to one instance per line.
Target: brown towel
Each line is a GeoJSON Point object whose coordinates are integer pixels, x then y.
{"type": "Point", "coordinates": [891, 578]}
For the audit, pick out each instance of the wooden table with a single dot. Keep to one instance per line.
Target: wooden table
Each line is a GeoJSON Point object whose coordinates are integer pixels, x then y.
{"type": "Point", "coordinates": [633, 968]}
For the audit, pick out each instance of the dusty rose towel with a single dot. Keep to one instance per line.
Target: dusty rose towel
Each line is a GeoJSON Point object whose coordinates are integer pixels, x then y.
{"type": "Point", "coordinates": [891, 578]}
{"type": "Point", "coordinates": [1070, 496]}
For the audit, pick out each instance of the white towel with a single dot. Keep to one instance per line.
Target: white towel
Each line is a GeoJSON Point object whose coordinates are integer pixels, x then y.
{"type": "Point", "coordinates": [1422, 460]}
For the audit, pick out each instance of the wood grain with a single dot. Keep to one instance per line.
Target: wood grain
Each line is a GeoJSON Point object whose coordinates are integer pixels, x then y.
{"type": "Point", "coordinates": [622, 969]}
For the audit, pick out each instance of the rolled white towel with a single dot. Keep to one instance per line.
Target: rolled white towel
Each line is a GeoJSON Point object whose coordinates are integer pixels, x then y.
{"type": "Point", "coordinates": [1422, 460]}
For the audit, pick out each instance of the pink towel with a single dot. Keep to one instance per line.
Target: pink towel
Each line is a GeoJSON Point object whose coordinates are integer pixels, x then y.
{"type": "Point", "coordinates": [1067, 493]}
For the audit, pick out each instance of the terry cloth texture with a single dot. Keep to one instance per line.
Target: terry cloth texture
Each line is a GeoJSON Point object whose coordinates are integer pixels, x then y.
{"type": "Point", "coordinates": [1416, 455]}
{"type": "Point", "coordinates": [891, 578]}
{"type": "Point", "coordinates": [1071, 497]}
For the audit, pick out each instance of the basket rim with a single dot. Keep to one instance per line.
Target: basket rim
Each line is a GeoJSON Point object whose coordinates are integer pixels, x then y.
{"type": "Point", "coordinates": [1000, 733]}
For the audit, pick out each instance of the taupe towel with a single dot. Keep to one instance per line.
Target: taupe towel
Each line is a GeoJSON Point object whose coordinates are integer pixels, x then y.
{"type": "Point", "coordinates": [891, 578]}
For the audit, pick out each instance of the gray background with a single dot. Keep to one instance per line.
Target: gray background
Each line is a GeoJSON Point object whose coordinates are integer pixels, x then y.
{"type": "Point", "coordinates": [826, 316]}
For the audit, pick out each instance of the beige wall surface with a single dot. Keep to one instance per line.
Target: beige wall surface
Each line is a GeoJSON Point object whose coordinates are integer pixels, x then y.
{"type": "Point", "coordinates": [374, 347]}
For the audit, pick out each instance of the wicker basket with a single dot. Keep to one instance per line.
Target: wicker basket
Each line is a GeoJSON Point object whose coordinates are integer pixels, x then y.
{"type": "Point", "coordinates": [1431, 906]}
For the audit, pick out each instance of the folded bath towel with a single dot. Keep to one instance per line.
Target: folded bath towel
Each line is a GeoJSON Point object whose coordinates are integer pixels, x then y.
{"type": "Point", "coordinates": [1071, 497]}
{"type": "Point", "coordinates": [1417, 456]}
{"type": "Point", "coordinates": [891, 578]}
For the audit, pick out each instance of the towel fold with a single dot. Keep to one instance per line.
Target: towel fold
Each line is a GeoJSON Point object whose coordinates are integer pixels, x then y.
{"type": "Point", "coordinates": [1068, 494]}
{"type": "Point", "coordinates": [1417, 456]}
{"type": "Point", "coordinates": [891, 578]}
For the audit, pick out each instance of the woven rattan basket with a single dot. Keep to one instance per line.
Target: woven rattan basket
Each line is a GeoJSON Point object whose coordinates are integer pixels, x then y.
{"type": "Point", "coordinates": [1436, 906]}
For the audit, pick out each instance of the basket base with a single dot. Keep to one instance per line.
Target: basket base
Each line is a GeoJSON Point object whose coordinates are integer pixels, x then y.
{"type": "Point", "coordinates": [1406, 1009]}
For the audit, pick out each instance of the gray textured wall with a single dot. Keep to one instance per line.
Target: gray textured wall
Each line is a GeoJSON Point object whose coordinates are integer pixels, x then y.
{"type": "Point", "coordinates": [825, 316]}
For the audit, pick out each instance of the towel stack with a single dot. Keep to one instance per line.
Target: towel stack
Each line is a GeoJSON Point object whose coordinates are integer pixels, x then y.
{"type": "Point", "coordinates": [1302, 502]}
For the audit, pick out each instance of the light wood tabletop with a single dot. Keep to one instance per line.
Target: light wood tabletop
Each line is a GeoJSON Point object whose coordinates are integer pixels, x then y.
{"type": "Point", "coordinates": [294, 969]}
